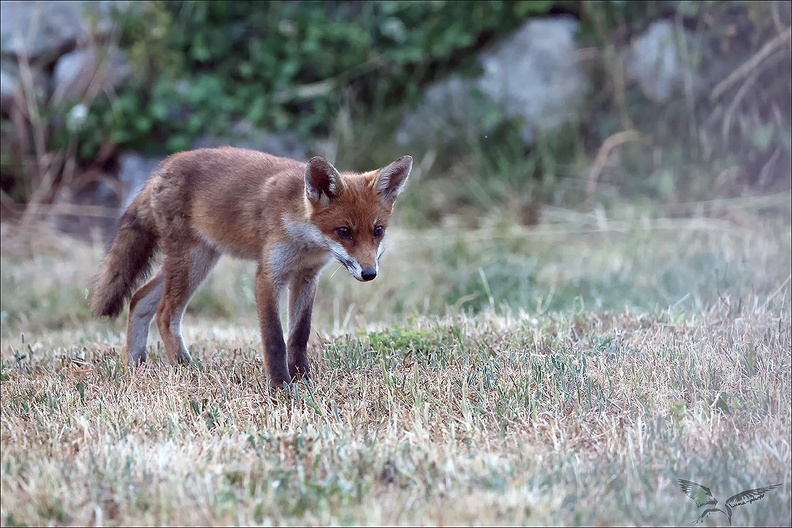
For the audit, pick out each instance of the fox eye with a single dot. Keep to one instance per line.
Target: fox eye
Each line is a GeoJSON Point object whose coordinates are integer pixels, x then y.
{"type": "Point", "coordinates": [344, 232]}
{"type": "Point", "coordinates": [378, 231]}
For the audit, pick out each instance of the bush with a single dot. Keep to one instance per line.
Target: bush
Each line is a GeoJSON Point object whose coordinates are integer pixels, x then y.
{"type": "Point", "coordinates": [712, 140]}
{"type": "Point", "coordinates": [202, 65]}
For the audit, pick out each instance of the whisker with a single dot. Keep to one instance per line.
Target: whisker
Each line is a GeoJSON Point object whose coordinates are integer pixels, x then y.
{"type": "Point", "coordinates": [336, 271]}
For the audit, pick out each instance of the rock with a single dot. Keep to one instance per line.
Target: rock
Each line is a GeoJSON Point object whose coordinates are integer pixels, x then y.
{"type": "Point", "coordinates": [76, 117]}
{"type": "Point", "coordinates": [533, 75]}
{"type": "Point", "coordinates": [70, 215]}
{"type": "Point", "coordinates": [11, 87]}
{"type": "Point", "coordinates": [9, 91]}
{"type": "Point", "coordinates": [244, 135]}
{"type": "Point", "coordinates": [103, 190]}
{"type": "Point", "coordinates": [658, 62]}
{"type": "Point", "coordinates": [12, 166]}
{"type": "Point", "coordinates": [133, 172]}
{"type": "Point", "coordinates": [76, 71]}
{"type": "Point", "coordinates": [42, 30]}
{"type": "Point", "coordinates": [284, 144]}
{"type": "Point", "coordinates": [446, 109]}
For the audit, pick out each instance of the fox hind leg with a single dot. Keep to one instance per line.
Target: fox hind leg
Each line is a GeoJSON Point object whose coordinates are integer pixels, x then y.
{"type": "Point", "coordinates": [142, 308]}
{"type": "Point", "coordinates": [182, 276]}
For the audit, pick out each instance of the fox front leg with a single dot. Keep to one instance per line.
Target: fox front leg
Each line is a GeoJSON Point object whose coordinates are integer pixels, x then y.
{"type": "Point", "coordinates": [274, 348]}
{"type": "Point", "coordinates": [302, 291]}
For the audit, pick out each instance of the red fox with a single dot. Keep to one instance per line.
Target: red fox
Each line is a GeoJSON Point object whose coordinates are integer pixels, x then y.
{"type": "Point", "coordinates": [290, 217]}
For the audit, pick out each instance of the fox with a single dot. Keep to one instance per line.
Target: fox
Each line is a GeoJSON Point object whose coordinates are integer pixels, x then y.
{"type": "Point", "coordinates": [292, 218]}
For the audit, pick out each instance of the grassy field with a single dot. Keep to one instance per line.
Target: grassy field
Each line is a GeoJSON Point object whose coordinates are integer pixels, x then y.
{"type": "Point", "coordinates": [567, 373]}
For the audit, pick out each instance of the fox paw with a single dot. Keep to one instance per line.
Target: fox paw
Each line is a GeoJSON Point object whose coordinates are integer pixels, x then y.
{"type": "Point", "coordinates": [136, 359]}
{"type": "Point", "coordinates": [299, 371]}
{"type": "Point", "coordinates": [183, 358]}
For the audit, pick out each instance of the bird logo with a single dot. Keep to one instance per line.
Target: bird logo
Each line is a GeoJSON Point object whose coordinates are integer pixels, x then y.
{"type": "Point", "coordinates": [703, 497]}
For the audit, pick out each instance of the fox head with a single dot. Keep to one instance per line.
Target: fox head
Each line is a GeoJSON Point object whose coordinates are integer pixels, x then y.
{"type": "Point", "coordinates": [352, 210]}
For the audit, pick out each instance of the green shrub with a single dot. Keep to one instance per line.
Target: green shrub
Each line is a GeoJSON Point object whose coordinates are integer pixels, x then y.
{"type": "Point", "coordinates": [201, 65]}
{"type": "Point", "coordinates": [711, 140]}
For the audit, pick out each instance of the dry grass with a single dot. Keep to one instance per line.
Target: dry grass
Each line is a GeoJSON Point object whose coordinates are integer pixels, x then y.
{"type": "Point", "coordinates": [574, 373]}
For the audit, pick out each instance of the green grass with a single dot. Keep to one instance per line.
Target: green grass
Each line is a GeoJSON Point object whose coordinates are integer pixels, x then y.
{"type": "Point", "coordinates": [563, 374]}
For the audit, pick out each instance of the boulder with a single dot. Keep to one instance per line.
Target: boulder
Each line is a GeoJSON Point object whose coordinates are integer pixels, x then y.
{"type": "Point", "coordinates": [533, 75]}
{"type": "Point", "coordinates": [447, 108]}
{"type": "Point", "coordinates": [134, 170]}
{"type": "Point", "coordinates": [245, 135]}
{"type": "Point", "coordinates": [42, 30]}
{"type": "Point", "coordinates": [10, 91]}
{"type": "Point", "coordinates": [11, 86]}
{"type": "Point", "coordinates": [659, 60]}
{"type": "Point", "coordinates": [71, 216]}
{"type": "Point", "coordinates": [83, 67]}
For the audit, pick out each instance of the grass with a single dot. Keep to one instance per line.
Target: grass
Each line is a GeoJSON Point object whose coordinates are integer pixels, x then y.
{"type": "Point", "coordinates": [564, 374]}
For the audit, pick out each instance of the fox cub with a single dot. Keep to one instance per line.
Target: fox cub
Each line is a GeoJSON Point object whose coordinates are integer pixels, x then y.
{"type": "Point", "coordinates": [290, 217]}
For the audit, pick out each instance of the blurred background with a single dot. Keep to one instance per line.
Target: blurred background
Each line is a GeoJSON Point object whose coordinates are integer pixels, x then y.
{"type": "Point", "coordinates": [520, 116]}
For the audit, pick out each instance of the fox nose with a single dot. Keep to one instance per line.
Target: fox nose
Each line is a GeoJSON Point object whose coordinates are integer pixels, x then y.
{"type": "Point", "coordinates": [368, 274]}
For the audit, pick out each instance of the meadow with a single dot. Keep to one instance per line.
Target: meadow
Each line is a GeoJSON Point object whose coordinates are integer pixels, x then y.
{"type": "Point", "coordinates": [564, 373]}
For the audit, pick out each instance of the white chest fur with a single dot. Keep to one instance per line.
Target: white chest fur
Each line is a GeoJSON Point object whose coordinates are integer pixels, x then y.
{"type": "Point", "coordinates": [306, 249]}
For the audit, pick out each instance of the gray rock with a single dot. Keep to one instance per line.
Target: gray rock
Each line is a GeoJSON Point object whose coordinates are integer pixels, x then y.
{"type": "Point", "coordinates": [103, 191]}
{"type": "Point", "coordinates": [658, 61]}
{"type": "Point", "coordinates": [447, 108]}
{"type": "Point", "coordinates": [244, 135]}
{"type": "Point", "coordinates": [284, 144]}
{"type": "Point", "coordinates": [41, 30]}
{"type": "Point", "coordinates": [75, 221]}
{"type": "Point", "coordinates": [76, 71]}
{"type": "Point", "coordinates": [11, 86]}
{"type": "Point", "coordinates": [133, 172]}
{"type": "Point", "coordinates": [533, 75]}
{"type": "Point", "coordinates": [9, 91]}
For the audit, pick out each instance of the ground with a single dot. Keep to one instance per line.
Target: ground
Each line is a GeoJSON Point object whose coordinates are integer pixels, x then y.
{"type": "Point", "coordinates": [567, 373]}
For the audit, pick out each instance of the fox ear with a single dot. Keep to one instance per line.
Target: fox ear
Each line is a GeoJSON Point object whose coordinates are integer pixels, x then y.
{"type": "Point", "coordinates": [390, 180]}
{"type": "Point", "coordinates": [322, 181]}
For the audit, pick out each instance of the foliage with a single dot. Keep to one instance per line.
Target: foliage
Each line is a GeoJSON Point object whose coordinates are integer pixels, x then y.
{"type": "Point", "coordinates": [698, 144]}
{"type": "Point", "coordinates": [716, 137]}
{"type": "Point", "coordinates": [202, 65]}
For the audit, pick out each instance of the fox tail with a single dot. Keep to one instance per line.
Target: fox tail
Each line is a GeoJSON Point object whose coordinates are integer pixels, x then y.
{"type": "Point", "coordinates": [128, 260]}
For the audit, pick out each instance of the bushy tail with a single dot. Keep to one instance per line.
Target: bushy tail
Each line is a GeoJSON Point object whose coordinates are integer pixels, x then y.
{"type": "Point", "coordinates": [128, 260]}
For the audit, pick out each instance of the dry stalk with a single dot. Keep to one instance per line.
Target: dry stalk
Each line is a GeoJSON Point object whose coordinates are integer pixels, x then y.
{"type": "Point", "coordinates": [751, 64]}
{"type": "Point", "coordinates": [602, 157]}
{"type": "Point", "coordinates": [50, 165]}
{"type": "Point", "coordinates": [97, 211]}
{"type": "Point", "coordinates": [735, 102]}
